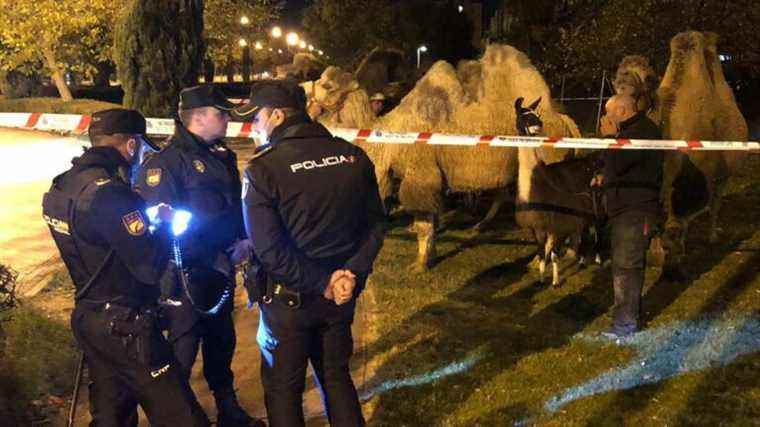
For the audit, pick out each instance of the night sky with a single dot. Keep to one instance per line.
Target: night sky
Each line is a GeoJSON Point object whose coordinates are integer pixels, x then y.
{"type": "Point", "coordinates": [292, 11]}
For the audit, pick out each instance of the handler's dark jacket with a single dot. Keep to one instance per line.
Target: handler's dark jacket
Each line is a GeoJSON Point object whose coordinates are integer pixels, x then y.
{"type": "Point", "coordinates": [107, 215]}
{"type": "Point", "coordinates": [633, 178]}
{"type": "Point", "coordinates": [204, 179]}
{"type": "Point", "coordinates": [312, 206]}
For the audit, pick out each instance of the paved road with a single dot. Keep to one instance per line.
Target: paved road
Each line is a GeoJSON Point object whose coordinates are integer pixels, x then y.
{"type": "Point", "coordinates": [28, 162]}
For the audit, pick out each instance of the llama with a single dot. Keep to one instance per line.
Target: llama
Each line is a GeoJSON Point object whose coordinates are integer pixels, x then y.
{"type": "Point", "coordinates": [553, 201]}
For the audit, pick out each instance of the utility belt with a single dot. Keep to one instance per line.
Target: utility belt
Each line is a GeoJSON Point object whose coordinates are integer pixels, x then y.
{"type": "Point", "coordinates": [138, 330]}
{"type": "Point", "coordinates": [291, 299]}
{"type": "Point", "coordinates": [262, 290]}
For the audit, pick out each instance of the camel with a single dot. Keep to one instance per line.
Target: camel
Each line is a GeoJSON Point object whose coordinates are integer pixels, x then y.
{"type": "Point", "coordinates": [693, 102]}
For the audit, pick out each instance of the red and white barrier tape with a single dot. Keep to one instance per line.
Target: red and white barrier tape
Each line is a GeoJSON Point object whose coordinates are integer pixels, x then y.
{"type": "Point", "coordinates": [79, 123]}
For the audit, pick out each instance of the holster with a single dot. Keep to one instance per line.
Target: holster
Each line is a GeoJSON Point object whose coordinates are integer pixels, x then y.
{"type": "Point", "coordinates": [140, 335]}
{"type": "Point", "coordinates": [278, 292]}
{"type": "Point", "coordinates": [254, 281]}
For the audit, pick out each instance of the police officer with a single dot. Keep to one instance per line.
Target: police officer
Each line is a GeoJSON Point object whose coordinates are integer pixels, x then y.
{"type": "Point", "coordinates": [116, 263]}
{"type": "Point", "coordinates": [199, 173]}
{"type": "Point", "coordinates": [631, 180]}
{"type": "Point", "coordinates": [316, 223]}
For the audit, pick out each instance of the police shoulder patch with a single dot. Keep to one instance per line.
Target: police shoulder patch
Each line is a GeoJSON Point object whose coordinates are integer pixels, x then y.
{"type": "Point", "coordinates": [134, 223]}
{"type": "Point", "coordinates": [199, 166]}
{"type": "Point", "coordinates": [153, 177]}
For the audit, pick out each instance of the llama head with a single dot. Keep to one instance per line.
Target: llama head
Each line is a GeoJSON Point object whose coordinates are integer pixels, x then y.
{"type": "Point", "coordinates": [528, 120]}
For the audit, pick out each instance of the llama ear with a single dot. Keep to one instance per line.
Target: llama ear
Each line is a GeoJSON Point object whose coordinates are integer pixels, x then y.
{"type": "Point", "coordinates": [534, 105]}
{"type": "Point", "coordinates": [518, 104]}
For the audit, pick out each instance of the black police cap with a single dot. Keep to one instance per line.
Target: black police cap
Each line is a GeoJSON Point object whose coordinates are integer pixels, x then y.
{"type": "Point", "coordinates": [206, 95]}
{"type": "Point", "coordinates": [119, 121]}
{"type": "Point", "coordinates": [272, 94]}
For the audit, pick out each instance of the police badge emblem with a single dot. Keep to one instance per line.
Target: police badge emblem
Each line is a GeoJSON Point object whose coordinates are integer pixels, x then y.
{"type": "Point", "coordinates": [153, 177]}
{"type": "Point", "coordinates": [199, 166]}
{"type": "Point", "coordinates": [134, 223]}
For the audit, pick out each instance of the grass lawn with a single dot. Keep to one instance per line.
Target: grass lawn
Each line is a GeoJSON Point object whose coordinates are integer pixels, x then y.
{"type": "Point", "coordinates": [477, 341]}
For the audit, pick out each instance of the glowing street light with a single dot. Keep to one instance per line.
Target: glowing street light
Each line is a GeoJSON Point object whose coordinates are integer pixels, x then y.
{"type": "Point", "coordinates": [279, 51]}
{"type": "Point", "coordinates": [320, 52]}
{"type": "Point", "coordinates": [259, 46]}
{"type": "Point", "coordinates": [460, 8]}
{"type": "Point", "coordinates": [277, 32]}
{"type": "Point", "coordinates": [302, 44]}
{"type": "Point", "coordinates": [244, 20]}
{"type": "Point", "coordinates": [242, 43]}
{"type": "Point", "coordinates": [420, 49]}
{"type": "Point", "coordinates": [292, 39]}
{"type": "Point", "coordinates": [311, 47]}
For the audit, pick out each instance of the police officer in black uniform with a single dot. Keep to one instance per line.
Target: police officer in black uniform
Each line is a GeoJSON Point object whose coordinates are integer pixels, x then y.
{"type": "Point", "coordinates": [316, 222]}
{"type": "Point", "coordinates": [631, 180]}
{"type": "Point", "coordinates": [197, 172]}
{"type": "Point", "coordinates": [116, 263]}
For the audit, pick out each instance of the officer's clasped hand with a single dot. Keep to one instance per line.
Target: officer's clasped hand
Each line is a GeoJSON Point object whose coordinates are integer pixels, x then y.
{"type": "Point", "coordinates": [341, 286]}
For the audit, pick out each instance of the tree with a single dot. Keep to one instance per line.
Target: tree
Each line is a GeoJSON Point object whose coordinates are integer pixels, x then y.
{"type": "Point", "coordinates": [645, 28]}
{"type": "Point", "coordinates": [159, 50]}
{"type": "Point", "coordinates": [50, 33]}
{"type": "Point", "coordinates": [349, 29]}
{"type": "Point", "coordinates": [224, 30]}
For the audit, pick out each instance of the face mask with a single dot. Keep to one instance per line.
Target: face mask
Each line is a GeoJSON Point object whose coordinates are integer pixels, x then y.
{"type": "Point", "coordinates": [264, 130]}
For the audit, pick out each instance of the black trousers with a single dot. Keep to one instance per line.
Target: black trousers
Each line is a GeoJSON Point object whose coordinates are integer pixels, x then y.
{"type": "Point", "coordinates": [631, 232]}
{"type": "Point", "coordinates": [214, 335]}
{"type": "Point", "coordinates": [119, 382]}
{"type": "Point", "coordinates": [318, 332]}
{"type": "Point", "coordinates": [216, 338]}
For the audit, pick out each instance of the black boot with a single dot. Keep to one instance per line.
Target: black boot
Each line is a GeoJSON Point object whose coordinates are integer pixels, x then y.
{"type": "Point", "coordinates": [230, 414]}
{"type": "Point", "coordinates": [626, 311]}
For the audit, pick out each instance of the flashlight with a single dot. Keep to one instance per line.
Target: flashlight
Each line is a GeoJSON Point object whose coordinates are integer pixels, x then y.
{"type": "Point", "coordinates": [179, 223]}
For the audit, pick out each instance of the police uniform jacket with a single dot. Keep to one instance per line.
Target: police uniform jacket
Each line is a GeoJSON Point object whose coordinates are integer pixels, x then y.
{"type": "Point", "coordinates": [311, 206]}
{"type": "Point", "coordinates": [633, 178]}
{"type": "Point", "coordinates": [202, 178]}
{"type": "Point", "coordinates": [92, 211]}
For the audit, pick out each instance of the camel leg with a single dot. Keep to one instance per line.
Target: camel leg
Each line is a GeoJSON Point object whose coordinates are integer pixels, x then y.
{"type": "Point", "coordinates": [425, 227]}
{"type": "Point", "coordinates": [501, 197]}
{"type": "Point", "coordinates": [715, 192]}
{"type": "Point", "coordinates": [671, 169]}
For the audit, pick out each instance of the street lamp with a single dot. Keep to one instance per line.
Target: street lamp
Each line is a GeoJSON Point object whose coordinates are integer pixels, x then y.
{"type": "Point", "coordinates": [277, 32]}
{"type": "Point", "coordinates": [420, 49]}
{"type": "Point", "coordinates": [244, 20]}
{"type": "Point", "coordinates": [460, 8]}
{"type": "Point", "coordinates": [320, 52]}
{"type": "Point", "coordinates": [292, 39]}
{"type": "Point", "coordinates": [311, 48]}
{"type": "Point", "coordinates": [259, 46]}
{"type": "Point", "coordinates": [242, 43]}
